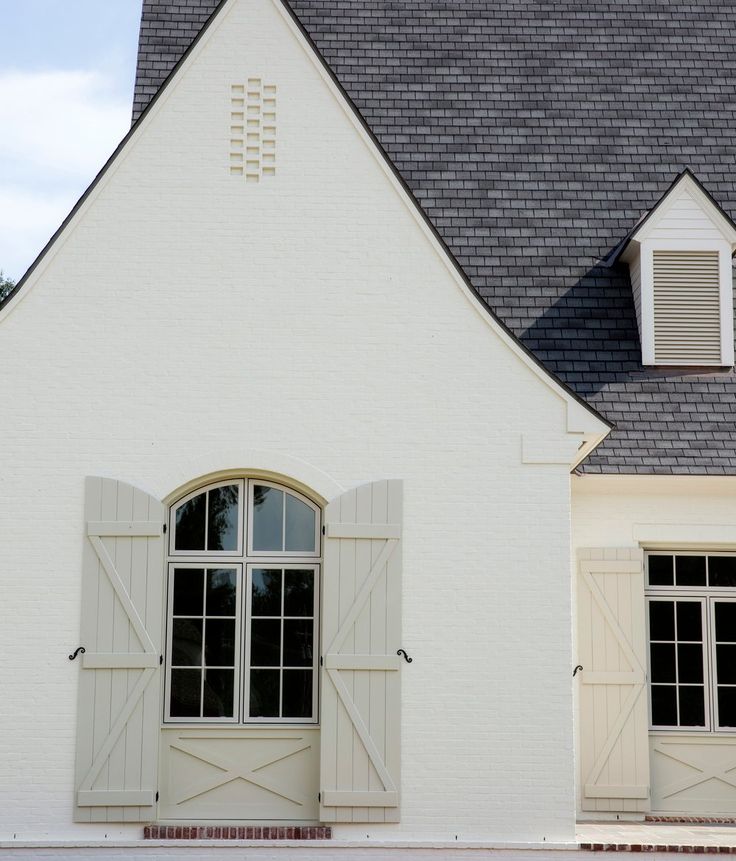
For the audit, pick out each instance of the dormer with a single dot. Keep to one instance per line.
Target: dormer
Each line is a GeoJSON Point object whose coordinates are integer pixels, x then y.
{"type": "Point", "coordinates": [679, 257]}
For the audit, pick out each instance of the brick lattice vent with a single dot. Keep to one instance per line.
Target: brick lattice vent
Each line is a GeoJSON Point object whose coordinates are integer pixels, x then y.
{"type": "Point", "coordinates": [237, 832]}
{"type": "Point", "coordinates": [658, 847]}
{"type": "Point", "coordinates": [694, 820]}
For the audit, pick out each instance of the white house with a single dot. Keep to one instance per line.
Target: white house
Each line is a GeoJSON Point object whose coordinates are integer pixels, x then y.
{"type": "Point", "coordinates": [368, 451]}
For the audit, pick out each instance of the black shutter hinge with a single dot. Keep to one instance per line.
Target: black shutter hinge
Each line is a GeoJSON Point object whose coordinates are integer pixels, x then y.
{"type": "Point", "coordinates": [164, 529]}
{"type": "Point", "coordinates": [324, 530]}
{"type": "Point", "coordinates": [160, 660]}
{"type": "Point", "coordinates": [157, 795]}
{"type": "Point", "coordinates": [321, 661]}
{"type": "Point", "coordinates": [319, 796]}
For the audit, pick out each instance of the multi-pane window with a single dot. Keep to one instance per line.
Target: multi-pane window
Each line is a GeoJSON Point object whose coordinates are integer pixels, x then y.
{"type": "Point", "coordinates": [691, 613]}
{"type": "Point", "coordinates": [242, 634]}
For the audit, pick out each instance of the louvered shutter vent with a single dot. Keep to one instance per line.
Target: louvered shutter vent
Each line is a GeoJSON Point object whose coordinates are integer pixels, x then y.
{"type": "Point", "coordinates": [687, 318]}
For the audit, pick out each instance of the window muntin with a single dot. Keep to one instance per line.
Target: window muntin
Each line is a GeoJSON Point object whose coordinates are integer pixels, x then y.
{"type": "Point", "coordinates": [242, 636]}
{"type": "Point", "coordinates": [691, 622]}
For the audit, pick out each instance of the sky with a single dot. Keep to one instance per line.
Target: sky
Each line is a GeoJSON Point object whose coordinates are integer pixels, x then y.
{"type": "Point", "coordinates": [67, 69]}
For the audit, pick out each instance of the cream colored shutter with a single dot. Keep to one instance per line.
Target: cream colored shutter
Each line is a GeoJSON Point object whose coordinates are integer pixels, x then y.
{"type": "Point", "coordinates": [119, 709]}
{"type": "Point", "coordinates": [361, 674]}
{"type": "Point", "coordinates": [613, 700]}
{"type": "Point", "coordinates": [687, 308]}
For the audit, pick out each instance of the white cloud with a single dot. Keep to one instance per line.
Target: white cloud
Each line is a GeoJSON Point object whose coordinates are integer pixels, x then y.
{"type": "Point", "coordinates": [59, 129]}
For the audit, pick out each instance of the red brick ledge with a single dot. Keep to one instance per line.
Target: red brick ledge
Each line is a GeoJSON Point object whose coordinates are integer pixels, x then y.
{"type": "Point", "coordinates": [659, 847]}
{"type": "Point", "coordinates": [694, 820]}
{"type": "Point", "coordinates": [237, 832]}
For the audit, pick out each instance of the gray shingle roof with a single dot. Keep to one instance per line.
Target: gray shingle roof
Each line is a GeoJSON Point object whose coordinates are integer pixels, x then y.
{"type": "Point", "coordinates": [535, 133]}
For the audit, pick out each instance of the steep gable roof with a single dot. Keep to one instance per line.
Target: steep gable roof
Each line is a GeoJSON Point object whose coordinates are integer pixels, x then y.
{"type": "Point", "coordinates": [535, 135]}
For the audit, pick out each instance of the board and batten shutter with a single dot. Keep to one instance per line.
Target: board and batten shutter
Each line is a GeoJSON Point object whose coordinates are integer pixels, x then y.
{"type": "Point", "coordinates": [360, 721]}
{"type": "Point", "coordinates": [614, 744]}
{"type": "Point", "coordinates": [687, 308]}
{"type": "Point", "coordinates": [119, 705]}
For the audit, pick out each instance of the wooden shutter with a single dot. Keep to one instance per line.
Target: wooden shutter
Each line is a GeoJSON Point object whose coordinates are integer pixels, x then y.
{"type": "Point", "coordinates": [614, 749]}
{"type": "Point", "coordinates": [687, 308]}
{"type": "Point", "coordinates": [119, 708]}
{"type": "Point", "coordinates": [361, 633]}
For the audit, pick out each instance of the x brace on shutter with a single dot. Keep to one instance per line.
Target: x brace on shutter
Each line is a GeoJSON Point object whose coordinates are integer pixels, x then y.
{"type": "Point", "coordinates": [334, 662]}
{"type": "Point", "coordinates": [145, 661]}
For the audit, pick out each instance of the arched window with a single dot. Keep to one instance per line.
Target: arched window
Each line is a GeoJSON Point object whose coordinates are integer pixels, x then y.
{"type": "Point", "coordinates": [243, 602]}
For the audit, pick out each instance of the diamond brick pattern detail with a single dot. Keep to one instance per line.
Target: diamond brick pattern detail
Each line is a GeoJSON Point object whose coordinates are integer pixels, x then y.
{"type": "Point", "coordinates": [534, 134]}
{"type": "Point", "coordinates": [237, 832]}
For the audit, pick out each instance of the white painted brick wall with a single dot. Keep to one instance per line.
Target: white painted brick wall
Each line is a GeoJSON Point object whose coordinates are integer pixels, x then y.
{"type": "Point", "coordinates": [190, 318]}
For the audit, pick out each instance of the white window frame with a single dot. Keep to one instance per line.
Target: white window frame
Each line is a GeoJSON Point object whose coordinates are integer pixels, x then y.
{"type": "Point", "coordinates": [225, 554]}
{"type": "Point", "coordinates": [282, 554]}
{"type": "Point", "coordinates": [284, 566]}
{"type": "Point", "coordinates": [708, 596]}
{"type": "Point", "coordinates": [718, 599]}
{"type": "Point", "coordinates": [244, 560]}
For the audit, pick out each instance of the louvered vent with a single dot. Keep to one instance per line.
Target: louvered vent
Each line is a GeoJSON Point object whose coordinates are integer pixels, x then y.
{"type": "Point", "coordinates": [687, 318]}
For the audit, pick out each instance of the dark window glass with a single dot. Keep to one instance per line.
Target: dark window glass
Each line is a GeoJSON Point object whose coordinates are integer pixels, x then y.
{"type": "Point", "coordinates": [690, 570]}
{"type": "Point", "coordinates": [662, 620]}
{"type": "Point", "coordinates": [664, 705]}
{"type": "Point", "coordinates": [219, 643]}
{"type": "Point", "coordinates": [188, 591]}
{"type": "Point", "coordinates": [298, 643]}
{"type": "Point", "coordinates": [727, 707]}
{"type": "Point", "coordinates": [266, 598]}
{"type": "Point", "coordinates": [218, 693]}
{"type": "Point", "coordinates": [190, 524]}
{"type": "Point", "coordinates": [300, 525]}
{"type": "Point", "coordinates": [662, 660]}
{"type": "Point", "coordinates": [185, 693]}
{"type": "Point", "coordinates": [222, 520]}
{"type": "Point", "coordinates": [297, 693]}
{"type": "Point", "coordinates": [299, 593]}
{"type": "Point", "coordinates": [186, 643]}
{"type": "Point", "coordinates": [690, 663]}
{"type": "Point", "coordinates": [692, 705]}
{"type": "Point", "coordinates": [726, 664]}
{"type": "Point", "coordinates": [689, 620]}
{"type": "Point", "coordinates": [722, 571]}
{"type": "Point", "coordinates": [268, 518]}
{"type": "Point", "coordinates": [264, 693]}
{"type": "Point", "coordinates": [661, 572]}
{"type": "Point", "coordinates": [221, 590]}
{"type": "Point", "coordinates": [265, 643]}
{"type": "Point", "coordinates": [725, 622]}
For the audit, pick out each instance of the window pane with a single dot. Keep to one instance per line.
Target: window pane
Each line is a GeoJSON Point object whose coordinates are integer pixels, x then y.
{"type": "Point", "coordinates": [299, 593]}
{"type": "Point", "coordinates": [690, 663]}
{"type": "Point", "coordinates": [221, 590]}
{"type": "Point", "coordinates": [298, 643]}
{"type": "Point", "coordinates": [219, 643]}
{"type": "Point", "coordinates": [265, 643]}
{"type": "Point", "coordinates": [222, 523]}
{"type": "Point", "coordinates": [266, 598]}
{"type": "Point", "coordinates": [188, 591]}
{"type": "Point", "coordinates": [268, 513]}
{"type": "Point", "coordinates": [725, 621]}
{"type": "Point", "coordinates": [297, 693]}
{"type": "Point", "coordinates": [727, 707]}
{"type": "Point", "coordinates": [690, 570]}
{"type": "Point", "coordinates": [726, 664]}
{"type": "Point", "coordinates": [186, 643]}
{"type": "Point", "coordinates": [185, 693]}
{"type": "Point", "coordinates": [692, 705]}
{"type": "Point", "coordinates": [190, 524]}
{"type": "Point", "coordinates": [662, 659]}
{"type": "Point", "coordinates": [264, 693]}
{"type": "Point", "coordinates": [300, 525]}
{"type": "Point", "coordinates": [662, 620]}
{"type": "Point", "coordinates": [722, 571]}
{"type": "Point", "coordinates": [218, 693]}
{"type": "Point", "coordinates": [689, 620]}
{"type": "Point", "coordinates": [661, 571]}
{"type": "Point", "coordinates": [664, 705]}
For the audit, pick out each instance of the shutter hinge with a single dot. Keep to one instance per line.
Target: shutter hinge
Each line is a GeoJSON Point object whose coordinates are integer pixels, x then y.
{"type": "Point", "coordinates": [324, 530]}
{"type": "Point", "coordinates": [164, 529]}
{"type": "Point", "coordinates": [157, 795]}
{"type": "Point", "coordinates": [319, 796]}
{"type": "Point", "coordinates": [160, 660]}
{"type": "Point", "coordinates": [321, 661]}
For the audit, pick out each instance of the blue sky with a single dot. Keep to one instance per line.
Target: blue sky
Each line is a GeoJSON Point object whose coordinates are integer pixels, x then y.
{"type": "Point", "coordinates": [66, 87]}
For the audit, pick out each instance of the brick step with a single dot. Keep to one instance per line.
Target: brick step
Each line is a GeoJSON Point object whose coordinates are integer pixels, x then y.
{"type": "Point", "coordinates": [659, 847]}
{"type": "Point", "coordinates": [237, 832]}
{"type": "Point", "coordinates": [693, 820]}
